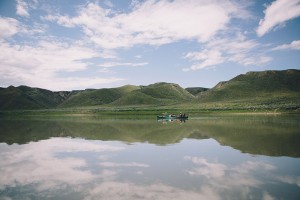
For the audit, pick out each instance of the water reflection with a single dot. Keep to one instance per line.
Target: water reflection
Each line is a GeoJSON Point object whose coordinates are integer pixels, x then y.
{"type": "Point", "coordinates": [172, 120]}
{"type": "Point", "coordinates": [65, 168]}
{"type": "Point", "coordinates": [262, 135]}
{"type": "Point", "coordinates": [143, 159]}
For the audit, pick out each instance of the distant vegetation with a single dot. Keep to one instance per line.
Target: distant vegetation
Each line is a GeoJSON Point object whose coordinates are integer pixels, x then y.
{"type": "Point", "coordinates": [270, 90]}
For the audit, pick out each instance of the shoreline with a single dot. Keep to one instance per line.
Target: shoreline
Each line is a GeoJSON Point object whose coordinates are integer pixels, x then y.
{"type": "Point", "coordinates": [138, 111]}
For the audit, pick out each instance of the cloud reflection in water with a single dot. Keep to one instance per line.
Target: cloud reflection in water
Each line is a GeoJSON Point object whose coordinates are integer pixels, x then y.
{"type": "Point", "coordinates": [114, 170]}
{"type": "Point", "coordinates": [39, 162]}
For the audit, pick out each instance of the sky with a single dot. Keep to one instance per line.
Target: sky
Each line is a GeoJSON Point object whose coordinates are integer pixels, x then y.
{"type": "Point", "coordinates": [78, 44]}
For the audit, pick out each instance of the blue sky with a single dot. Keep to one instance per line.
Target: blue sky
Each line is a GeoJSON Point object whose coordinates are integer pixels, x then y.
{"type": "Point", "coordinates": [79, 44]}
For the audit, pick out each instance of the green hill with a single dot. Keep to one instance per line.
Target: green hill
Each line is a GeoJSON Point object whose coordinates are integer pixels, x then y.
{"type": "Point", "coordinates": [91, 97]}
{"type": "Point", "coordinates": [166, 91]}
{"type": "Point", "coordinates": [155, 94]}
{"type": "Point", "coordinates": [267, 88]}
{"type": "Point", "coordinates": [135, 98]}
{"type": "Point", "coordinates": [23, 97]}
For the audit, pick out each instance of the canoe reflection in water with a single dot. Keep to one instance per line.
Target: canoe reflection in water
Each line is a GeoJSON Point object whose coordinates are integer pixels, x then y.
{"type": "Point", "coordinates": [166, 121]}
{"type": "Point", "coordinates": [181, 118]}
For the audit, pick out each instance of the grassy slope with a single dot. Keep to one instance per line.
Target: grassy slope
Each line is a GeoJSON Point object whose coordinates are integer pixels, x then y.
{"type": "Point", "coordinates": [167, 91]}
{"type": "Point", "coordinates": [22, 97]}
{"type": "Point", "coordinates": [255, 84]}
{"type": "Point", "coordinates": [155, 94]}
{"type": "Point", "coordinates": [136, 98]}
{"type": "Point", "coordinates": [93, 97]}
{"type": "Point", "coordinates": [268, 88]}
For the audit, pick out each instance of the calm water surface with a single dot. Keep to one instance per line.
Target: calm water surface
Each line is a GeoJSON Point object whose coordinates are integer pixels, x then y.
{"type": "Point", "coordinates": [213, 157]}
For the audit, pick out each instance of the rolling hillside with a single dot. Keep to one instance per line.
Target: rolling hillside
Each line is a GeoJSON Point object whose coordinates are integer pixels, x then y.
{"type": "Point", "coordinates": [136, 98]}
{"type": "Point", "coordinates": [91, 97]}
{"type": "Point", "coordinates": [166, 91]}
{"type": "Point", "coordinates": [155, 94]}
{"type": "Point", "coordinates": [270, 89]}
{"type": "Point", "coordinates": [255, 86]}
{"type": "Point", "coordinates": [23, 98]}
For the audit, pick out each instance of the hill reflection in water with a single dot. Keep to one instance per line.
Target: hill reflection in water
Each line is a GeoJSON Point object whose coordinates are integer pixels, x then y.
{"type": "Point", "coordinates": [263, 135]}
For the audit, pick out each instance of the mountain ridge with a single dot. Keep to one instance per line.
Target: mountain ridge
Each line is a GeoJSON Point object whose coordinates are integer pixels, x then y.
{"type": "Point", "coordinates": [265, 87]}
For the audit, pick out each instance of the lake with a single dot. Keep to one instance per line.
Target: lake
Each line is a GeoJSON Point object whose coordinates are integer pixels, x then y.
{"type": "Point", "coordinates": [206, 157]}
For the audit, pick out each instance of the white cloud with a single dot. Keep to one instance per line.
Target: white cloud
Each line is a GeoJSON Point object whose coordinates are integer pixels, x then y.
{"type": "Point", "coordinates": [22, 8]}
{"type": "Point", "coordinates": [8, 27]}
{"type": "Point", "coordinates": [71, 83]}
{"type": "Point", "coordinates": [205, 58]}
{"type": "Point", "coordinates": [250, 59]}
{"type": "Point", "coordinates": [40, 65]}
{"type": "Point", "coordinates": [115, 64]}
{"type": "Point", "coordinates": [237, 49]}
{"type": "Point", "coordinates": [237, 43]}
{"type": "Point", "coordinates": [277, 13]}
{"type": "Point", "coordinates": [153, 22]}
{"type": "Point", "coordinates": [294, 45]}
